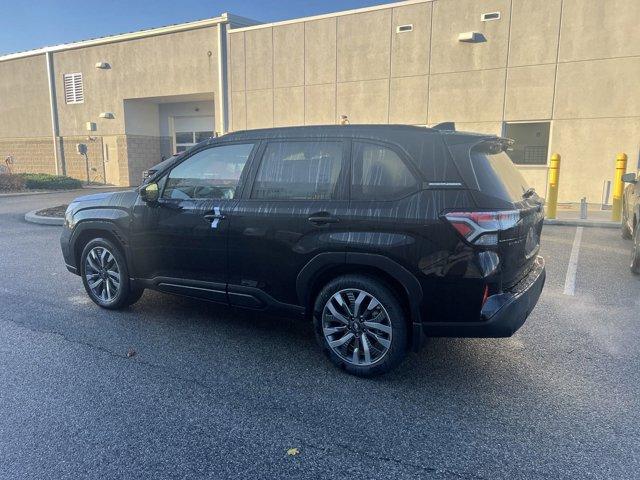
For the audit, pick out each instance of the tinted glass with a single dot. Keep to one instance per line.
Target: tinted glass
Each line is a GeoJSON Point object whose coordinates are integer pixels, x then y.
{"type": "Point", "coordinates": [298, 170]}
{"type": "Point", "coordinates": [210, 173]}
{"type": "Point", "coordinates": [379, 174]}
{"type": "Point", "coordinates": [496, 173]}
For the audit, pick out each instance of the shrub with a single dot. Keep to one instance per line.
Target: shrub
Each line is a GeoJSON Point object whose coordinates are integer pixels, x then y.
{"type": "Point", "coordinates": [11, 183]}
{"type": "Point", "coordinates": [44, 181]}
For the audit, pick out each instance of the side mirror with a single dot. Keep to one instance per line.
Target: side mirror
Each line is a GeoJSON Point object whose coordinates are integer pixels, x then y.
{"type": "Point", "coordinates": [150, 193]}
{"type": "Point", "coordinates": [629, 178]}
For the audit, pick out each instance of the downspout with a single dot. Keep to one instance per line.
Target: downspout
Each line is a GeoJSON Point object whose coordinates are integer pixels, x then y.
{"type": "Point", "coordinates": [223, 100]}
{"type": "Point", "coordinates": [53, 107]}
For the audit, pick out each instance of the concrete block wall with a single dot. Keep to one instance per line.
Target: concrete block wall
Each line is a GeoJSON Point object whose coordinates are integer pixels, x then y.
{"type": "Point", "coordinates": [30, 155]}
{"type": "Point", "coordinates": [575, 63]}
{"type": "Point", "coordinates": [142, 152]}
{"type": "Point", "coordinates": [76, 165]}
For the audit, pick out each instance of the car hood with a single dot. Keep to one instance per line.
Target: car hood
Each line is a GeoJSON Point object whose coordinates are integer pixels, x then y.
{"type": "Point", "coordinates": [122, 198]}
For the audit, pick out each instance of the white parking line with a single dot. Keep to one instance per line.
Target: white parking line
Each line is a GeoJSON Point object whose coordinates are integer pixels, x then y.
{"type": "Point", "coordinates": [570, 279]}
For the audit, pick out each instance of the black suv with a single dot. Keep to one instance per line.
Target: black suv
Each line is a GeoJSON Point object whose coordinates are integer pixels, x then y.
{"type": "Point", "coordinates": [631, 217]}
{"type": "Point", "coordinates": [382, 234]}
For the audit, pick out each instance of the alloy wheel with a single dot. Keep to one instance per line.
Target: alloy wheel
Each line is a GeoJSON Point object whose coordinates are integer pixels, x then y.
{"type": "Point", "coordinates": [356, 327]}
{"type": "Point", "coordinates": [102, 274]}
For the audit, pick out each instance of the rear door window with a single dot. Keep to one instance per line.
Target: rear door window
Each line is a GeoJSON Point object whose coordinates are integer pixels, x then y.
{"type": "Point", "coordinates": [378, 173]}
{"type": "Point", "coordinates": [299, 170]}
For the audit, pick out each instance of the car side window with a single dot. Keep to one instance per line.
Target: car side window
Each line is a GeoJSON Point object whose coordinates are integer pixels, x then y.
{"type": "Point", "coordinates": [378, 173]}
{"type": "Point", "coordinates": [212, 173]}
{"type": "Point", "coordinates": [298, 170]}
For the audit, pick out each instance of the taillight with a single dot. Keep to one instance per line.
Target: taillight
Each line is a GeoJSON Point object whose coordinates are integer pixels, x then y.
{"type": "Point", "coordinates": [482, 228]}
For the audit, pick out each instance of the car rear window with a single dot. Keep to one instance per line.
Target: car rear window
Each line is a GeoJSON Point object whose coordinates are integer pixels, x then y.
{"type": "Point", "coordinates": [496, 173]}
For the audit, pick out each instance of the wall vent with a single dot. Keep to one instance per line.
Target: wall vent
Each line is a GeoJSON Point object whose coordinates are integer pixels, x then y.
{"type": "Point", "coordinates": [73, 88]}
{"type": "Point", "coordinates": [490, 16]}
{"type": "Point", "coordinates": [404, 28]}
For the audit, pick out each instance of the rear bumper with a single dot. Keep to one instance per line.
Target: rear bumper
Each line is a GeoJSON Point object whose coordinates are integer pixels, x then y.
{"type": "Point", "coordinates": [502, 314]}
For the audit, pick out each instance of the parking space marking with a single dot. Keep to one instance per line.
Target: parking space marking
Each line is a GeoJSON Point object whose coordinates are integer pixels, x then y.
{"type": "Point", "coordinates": [572, 268]}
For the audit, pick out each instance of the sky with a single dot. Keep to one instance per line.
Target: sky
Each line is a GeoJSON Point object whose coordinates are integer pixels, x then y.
{"type": "Point", "coordinates": [28, 24]}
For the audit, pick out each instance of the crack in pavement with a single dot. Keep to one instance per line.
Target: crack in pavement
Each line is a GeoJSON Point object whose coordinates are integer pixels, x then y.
{"type": "Point", "coordinates": [404, 463]}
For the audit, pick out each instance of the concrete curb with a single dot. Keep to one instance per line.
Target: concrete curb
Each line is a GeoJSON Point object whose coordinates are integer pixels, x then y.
{"type": "Point", "coordinates": [582, 223]}
{"type": "Point", "coordinates": [31, 217]}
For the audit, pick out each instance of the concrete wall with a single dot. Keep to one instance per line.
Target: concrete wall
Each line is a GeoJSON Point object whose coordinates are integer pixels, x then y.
{"type": "Point", "coordinates": [575, 63]}
{"type": "Point", "coordinates": [179, 63]}
{"type": "Point", "coordinates": [142, 72]}
{"type": "Point", "coordinates": [25, 119]}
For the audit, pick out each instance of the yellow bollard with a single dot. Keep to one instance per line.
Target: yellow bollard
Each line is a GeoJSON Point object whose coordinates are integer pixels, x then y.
{"type": "Point", "coordinates": [618, 187]}
{"type": "Point", "coordinates": [554, 177]}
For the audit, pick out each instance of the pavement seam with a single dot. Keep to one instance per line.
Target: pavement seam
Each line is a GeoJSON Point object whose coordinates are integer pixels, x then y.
{"type": "Point", "coordinates": [111, 353]}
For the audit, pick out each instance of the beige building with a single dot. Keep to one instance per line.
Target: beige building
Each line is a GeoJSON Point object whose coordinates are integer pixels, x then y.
{"type": "Point", "coordinates": [555, 75]}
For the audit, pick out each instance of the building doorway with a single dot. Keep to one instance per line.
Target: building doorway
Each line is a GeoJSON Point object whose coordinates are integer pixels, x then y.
{"type": "Point", "coordinates": [110, 160]}
{"type": "Point", "coordinates": [189, 130]}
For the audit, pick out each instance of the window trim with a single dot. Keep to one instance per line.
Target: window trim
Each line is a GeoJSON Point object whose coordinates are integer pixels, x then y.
{"type": "Point", "coordinates": [404, 158]}
{"type": "Point", "coordinates": [242, 181]}
{"type": "Point", "coordinates": [343, 176]}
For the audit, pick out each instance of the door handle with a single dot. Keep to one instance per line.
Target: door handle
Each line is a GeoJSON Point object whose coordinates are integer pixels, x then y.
{"type": "Point", "coordinates": [318, 219]}
{"type": "Point", "coordinates": [214, 217]}
{"type": "Point", "coordinates": [210, 217]}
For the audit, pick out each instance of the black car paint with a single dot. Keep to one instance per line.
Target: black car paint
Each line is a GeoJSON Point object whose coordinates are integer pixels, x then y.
{"type": "Point", "coordinates": [631, 204]}
{"type": "Point", "coordinates": [268, 255]}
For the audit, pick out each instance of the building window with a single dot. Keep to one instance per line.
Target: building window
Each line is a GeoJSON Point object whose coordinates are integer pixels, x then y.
{"type": "Point", "coordinates": [531, 142]}
{"type": "Point", "coordinates": [73, 88]}
{"type": "Point", "coordinates": [186, 140]}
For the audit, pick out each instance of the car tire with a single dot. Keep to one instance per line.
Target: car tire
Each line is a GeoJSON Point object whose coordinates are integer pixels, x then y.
{"type": "Point", "coordinates": [635, 252]}
{"type": "Point", "coordinates": [360, 325]}
{"type": "Point", "coordinates": [627, 234]}
{"type": "Point", "coordinates": [105, 276]}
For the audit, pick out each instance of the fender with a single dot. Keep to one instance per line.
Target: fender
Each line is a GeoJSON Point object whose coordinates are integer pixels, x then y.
{"type": "Point", "coordinates": [110, 220]}
{"type": "Point", "coordinates": [321, 262]}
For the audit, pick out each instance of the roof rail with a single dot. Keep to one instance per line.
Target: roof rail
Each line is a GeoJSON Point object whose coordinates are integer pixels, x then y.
{"type": "Point", "coordinates": [446, 126]}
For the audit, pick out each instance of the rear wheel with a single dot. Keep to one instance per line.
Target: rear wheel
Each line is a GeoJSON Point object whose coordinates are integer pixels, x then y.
{"type": "Point", "coordinates": [360, 325]}
{"type": "Point", "coordinates": [105, 276]}
{"type": "Point", "coordinates": [635, 252]}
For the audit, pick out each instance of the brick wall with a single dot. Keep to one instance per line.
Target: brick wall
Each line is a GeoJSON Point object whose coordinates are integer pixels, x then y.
{"type": "Point", "coordinates": [75, 164]}
{"type": "Point", "coordinates": [142, 152]}
{"type": "Point", "coordinates": [30, 155]}
{"type": "Point", "coordinates": [136, 153]}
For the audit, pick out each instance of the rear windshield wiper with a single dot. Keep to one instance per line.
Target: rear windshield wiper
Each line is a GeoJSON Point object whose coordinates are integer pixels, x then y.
{"type": "Point", "coordinates": [528, 192]}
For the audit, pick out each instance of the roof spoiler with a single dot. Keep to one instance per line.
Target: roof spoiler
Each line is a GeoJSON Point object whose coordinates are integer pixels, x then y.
{"type": "Point", "coordinates": [445, 126]}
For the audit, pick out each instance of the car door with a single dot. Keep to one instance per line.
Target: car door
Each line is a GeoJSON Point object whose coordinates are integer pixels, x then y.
{"type": "Point", "coordinates": [286, 217]}
{"type": "Point", "coordinates": [179, 243]}
{"type": "Point", "coordinates": [385, 212]}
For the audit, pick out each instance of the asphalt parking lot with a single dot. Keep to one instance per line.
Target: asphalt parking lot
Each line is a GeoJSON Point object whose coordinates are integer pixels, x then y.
{"type": "Point", "coordinates": [217, 393]}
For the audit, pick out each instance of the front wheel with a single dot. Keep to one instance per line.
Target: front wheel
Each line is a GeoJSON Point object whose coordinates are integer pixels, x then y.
{"type": "Point", "coordinates": [635, 252]}
{"type": "Point", "coordinates": [105, 276]}
{"type": "Point", "coordinates": [360, 325]}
